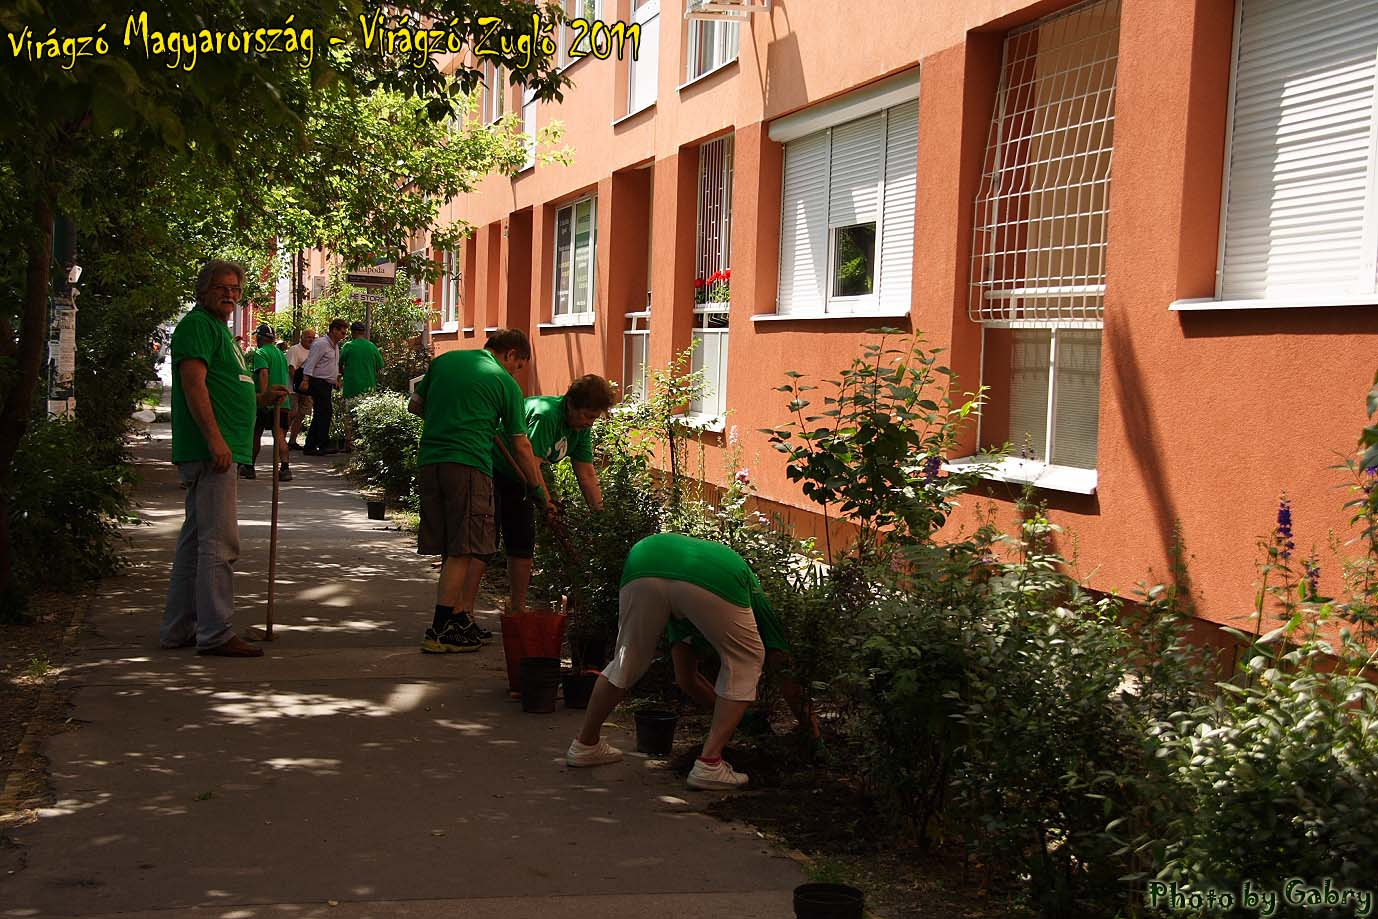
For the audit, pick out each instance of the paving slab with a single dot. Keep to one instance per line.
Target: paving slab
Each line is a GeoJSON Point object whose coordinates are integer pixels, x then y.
{"type": "Point", "coordinates": [345, 774]}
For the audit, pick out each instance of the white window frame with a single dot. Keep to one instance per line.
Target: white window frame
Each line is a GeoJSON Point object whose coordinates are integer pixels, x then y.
{"type": "Point", "coordinates": [1307, 103]}
{"type": "Point", "coordinates": [530, 107]}
{"type": "Point", "coordinates": [1046, 291]}
{"type": "Point", "coordinates": [636, 349]}
{"type": "Point", "coordinates": [710, 411]}
{"type": "Point", "coordinates": [576, 9]}
{"type": "Point", "coordinates": [891, 197]}
{"type": "Point", "coordinates": [495, 90]}
{"type": "Point", "coordinates": [647, 16]}
{"type": "Point", "coordinates": [570, 315]}
{"type": "Point", "coordinates": [449, 293]}
{"type": "Point", "coordinates": [726, 46]}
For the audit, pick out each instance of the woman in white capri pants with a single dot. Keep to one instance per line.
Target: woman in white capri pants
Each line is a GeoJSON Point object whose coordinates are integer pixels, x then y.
{"type": "Point", "coordinates": [707, 583]}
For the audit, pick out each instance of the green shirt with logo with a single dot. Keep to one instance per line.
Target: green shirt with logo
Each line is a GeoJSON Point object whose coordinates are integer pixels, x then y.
{"type": "Point", "coordinates": [360, 363]}
{"type": "Point", "coordinates": [204, 337]}
{"type": "Point", "coordinates": [470, 397]}
{"type": "Point", "coordinates": [269, 358]}
{"type": "Point", "coordinates": [710, 565]}
{"type": "Point", "coordinates": [552, 439]}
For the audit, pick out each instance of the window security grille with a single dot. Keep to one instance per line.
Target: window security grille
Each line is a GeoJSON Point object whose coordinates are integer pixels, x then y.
{"type": "Point", "coordinates": [713, 256]}
{"type": "Point", "coordinates": [1038, 256]}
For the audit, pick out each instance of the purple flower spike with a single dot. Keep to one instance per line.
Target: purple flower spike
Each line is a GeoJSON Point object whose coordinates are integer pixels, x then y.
{"type": "Point", "coordinates": [1283, 534]}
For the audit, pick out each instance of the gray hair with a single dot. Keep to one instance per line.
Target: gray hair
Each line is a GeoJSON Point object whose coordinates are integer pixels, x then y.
{"type": "Point", "coordinates": [215, 267]}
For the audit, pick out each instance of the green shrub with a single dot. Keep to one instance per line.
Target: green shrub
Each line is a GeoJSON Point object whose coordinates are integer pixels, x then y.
{"type": "Point", "coordinates": [65, 506]}
{"type": "Point", "coordinates": [386, 440]}
{"type": "Point", "coordinates": [592, 576]}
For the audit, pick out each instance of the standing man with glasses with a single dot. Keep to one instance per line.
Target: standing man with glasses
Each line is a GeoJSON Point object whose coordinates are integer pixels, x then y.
{"type": "Point", "coordinates": [213, 408]}
{"type": "Point", "coordinates": [322, 374]}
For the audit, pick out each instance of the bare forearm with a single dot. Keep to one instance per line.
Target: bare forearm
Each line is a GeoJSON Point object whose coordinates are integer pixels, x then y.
{"type": "Point", "coordinates": [587, 476]}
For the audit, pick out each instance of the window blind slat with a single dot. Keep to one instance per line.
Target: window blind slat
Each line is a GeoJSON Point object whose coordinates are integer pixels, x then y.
{"type": "Point", "coordinates": [854, 185]}
{"type": "Point", "coordinates": [1297, 209]}
{"type": "Point", "coordinates": [897, 230]}
{"type": "Point", "coordinates": [804, 225]}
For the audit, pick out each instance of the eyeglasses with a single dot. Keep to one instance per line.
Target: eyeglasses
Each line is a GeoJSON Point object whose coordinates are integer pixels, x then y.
{"type": "Point", "coordinates": [233, 290]}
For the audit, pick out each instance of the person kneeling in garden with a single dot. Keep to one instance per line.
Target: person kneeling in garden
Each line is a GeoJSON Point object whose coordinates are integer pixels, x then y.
{"type": "Point", "coordinates": [557, 426]}
{"type": "Point", "coordinates": [666, 576]}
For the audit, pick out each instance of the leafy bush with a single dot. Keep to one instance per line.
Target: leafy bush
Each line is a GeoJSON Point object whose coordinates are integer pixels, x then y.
{"type": "Point", "coordinates": [386, 440]}
{"type": "Point", "coordinates": [65, 507]}
{"type": "Point", "coordinates": [631, 512]}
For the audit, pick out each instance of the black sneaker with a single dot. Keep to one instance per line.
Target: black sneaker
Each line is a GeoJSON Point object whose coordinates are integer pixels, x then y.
{"type": "Point", "coordinates": [284, 473]}
{"type": "Point", "coordinates": [484, 635]}
{"type": "Point", "coordinates": [453, 639]}
{"type": "Point", "coordinates": [247, 472]}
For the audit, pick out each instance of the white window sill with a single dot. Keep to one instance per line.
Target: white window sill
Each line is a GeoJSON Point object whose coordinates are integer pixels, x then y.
{"type": "Point", "coordinates": [630, 115]}
{"type": "Point", "coordinates": [705, 75]}
{"type": "Point", "coordinates": [468, 330]}
{"type": "Point", "coordinates": [815, 317]}
{"type": "Point", "coordinates": [714, 424]}
{"type": "Point", "coordinates": [1210, 303]}
{"type": "Point", "coordinates": [581, 321]}
{"type": "Point", "coordinates": [490, 329]}
{"type": "Point", "coordinates": [1018, 471]}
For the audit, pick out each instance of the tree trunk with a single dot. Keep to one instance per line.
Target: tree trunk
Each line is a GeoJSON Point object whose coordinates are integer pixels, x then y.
{"type": "Point", "coordinates": [14, 414]}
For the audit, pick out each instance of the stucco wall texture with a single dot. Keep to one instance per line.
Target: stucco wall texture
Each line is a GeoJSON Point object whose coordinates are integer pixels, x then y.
{"type": "Point", "coordinates": [1205, 417]}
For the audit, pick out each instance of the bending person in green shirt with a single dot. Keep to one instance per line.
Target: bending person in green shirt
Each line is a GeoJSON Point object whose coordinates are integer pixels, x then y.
{"type": "Point", "coordinates": [558, 427]}
{"type": "Point", "coordinates": [667, 576]}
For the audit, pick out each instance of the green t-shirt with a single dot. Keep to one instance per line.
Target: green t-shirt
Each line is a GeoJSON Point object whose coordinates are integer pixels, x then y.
{"type": "Point", "coordinates": [552, 439]}
{"type": "Point", "coordinates": [360, 362]}
{"type": "Point", "coordinates": [710, 565]}
{"type": "Point", "coordinates": [469, 398]}
{"type": "Point", "coordinates": [271, 359]}
{"type": "Point", "coordinates": [202, 336]}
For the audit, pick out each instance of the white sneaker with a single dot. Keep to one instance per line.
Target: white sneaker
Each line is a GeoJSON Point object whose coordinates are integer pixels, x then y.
{"type": "Point", "coordinates": [720, 777]}
{"type": "Point", "coordinates": [600, 753]}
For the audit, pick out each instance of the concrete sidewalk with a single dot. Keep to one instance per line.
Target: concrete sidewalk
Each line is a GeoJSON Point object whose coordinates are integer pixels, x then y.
{"type": "Point", "coordinates": [345, 773]}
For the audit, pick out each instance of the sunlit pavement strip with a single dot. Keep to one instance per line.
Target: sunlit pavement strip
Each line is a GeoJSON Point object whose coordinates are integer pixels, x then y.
{"type": "Point", "coordinates": [345, 773]}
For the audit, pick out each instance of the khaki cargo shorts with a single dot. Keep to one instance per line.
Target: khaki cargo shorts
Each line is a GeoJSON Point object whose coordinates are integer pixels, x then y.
{"type": "Point", "coordinates": [456, 511]}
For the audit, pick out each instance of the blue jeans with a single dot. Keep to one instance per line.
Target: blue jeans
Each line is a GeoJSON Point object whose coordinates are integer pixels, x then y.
{"type": "Point", "coordinates": [200, 596]}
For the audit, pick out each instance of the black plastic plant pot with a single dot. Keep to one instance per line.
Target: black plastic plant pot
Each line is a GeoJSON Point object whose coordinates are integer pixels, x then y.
{"type": "Point", "coordinates": [828, 901]}
{"type": "Point", "coordinates": [655, 731]}
{"type": "Point", "coordinates": [578, 688]}
{"type": "Point", "coordinates": [540, 683]}
{"type": "Point", "coordinates": [376, 508]}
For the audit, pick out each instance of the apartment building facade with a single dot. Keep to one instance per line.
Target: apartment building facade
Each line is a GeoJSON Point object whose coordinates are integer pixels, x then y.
{"type": "Point", "coordinates": [1150, 227]}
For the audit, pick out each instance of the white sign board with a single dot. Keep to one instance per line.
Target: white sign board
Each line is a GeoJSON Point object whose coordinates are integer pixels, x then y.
{"type": "Point", "coordinates": [374, 275]}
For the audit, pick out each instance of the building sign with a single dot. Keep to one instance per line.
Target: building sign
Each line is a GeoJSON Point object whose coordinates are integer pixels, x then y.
{"type": "Point", "coordinates": [382, 275]}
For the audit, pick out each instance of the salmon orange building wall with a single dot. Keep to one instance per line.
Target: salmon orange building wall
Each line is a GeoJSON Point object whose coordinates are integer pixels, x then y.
{"type": "Point", "coordinates": [1205, 417]}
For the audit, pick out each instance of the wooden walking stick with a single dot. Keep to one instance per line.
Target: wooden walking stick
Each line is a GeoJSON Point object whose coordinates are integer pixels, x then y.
{"type": "Point", "coordinates": [266, 633]}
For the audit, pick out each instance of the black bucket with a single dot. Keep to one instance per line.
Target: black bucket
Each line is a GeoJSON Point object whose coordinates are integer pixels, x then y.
{"type": "Point", "coordinates": [375, 510]}
{"type": "Point", "coordinates": [578, 688]}
{"type": "Point", "coordinates": [828, 901]}
{"type": "Point", "coordinates": [655, 731]}
{"type": "Point", "coordinates": [540, 683]}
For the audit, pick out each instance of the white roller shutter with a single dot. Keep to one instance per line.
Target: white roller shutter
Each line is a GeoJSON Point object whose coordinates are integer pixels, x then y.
{"type": "Point", "coordinates": [804, 225]}
{"type": "Point", "coordinates": [897, 229]}
{"type": "Point", "coordinates": [857, 165]}
{"type": "Point", "coordinates": [644, 71]}
{"type": "Point", "coordinates": [1299, 208]}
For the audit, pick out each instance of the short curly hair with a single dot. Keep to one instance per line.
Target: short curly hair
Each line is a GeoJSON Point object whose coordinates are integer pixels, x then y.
{"type": "Point", "coordinates": [590, 393]}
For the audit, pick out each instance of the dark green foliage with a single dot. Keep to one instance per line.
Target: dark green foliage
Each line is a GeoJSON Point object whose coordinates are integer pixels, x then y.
{"type": "Point", "coordinates": [65, 507]}
{"type": "Point", "coordinates": [386, 440]}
